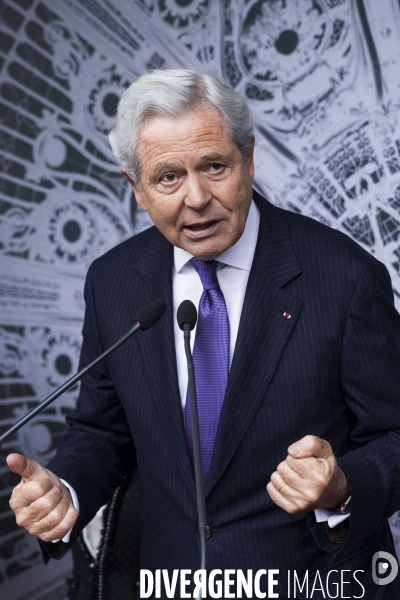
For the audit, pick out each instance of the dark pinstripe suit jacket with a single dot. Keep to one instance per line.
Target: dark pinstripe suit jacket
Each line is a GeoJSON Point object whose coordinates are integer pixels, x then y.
{"type": "Point", "coordinates": [332, 370]}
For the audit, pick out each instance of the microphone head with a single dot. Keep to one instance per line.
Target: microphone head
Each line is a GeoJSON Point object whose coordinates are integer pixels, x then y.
{"type": "Point", "coordinates": [186, 314]}
{"type": "Point", "coordinates": [150, 314]}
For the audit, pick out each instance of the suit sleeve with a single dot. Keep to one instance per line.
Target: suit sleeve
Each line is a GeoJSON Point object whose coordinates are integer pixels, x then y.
{"type": "Point", "coordinates": [370, 375]}
{"type": "Point", "coordinates": [370, 381]}
{"type": "Point", "coordinates": [97, 450]}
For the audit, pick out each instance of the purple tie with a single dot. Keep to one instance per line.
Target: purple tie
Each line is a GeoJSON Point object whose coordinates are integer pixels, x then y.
{"type": "Point", "coordinates": [211, 360]}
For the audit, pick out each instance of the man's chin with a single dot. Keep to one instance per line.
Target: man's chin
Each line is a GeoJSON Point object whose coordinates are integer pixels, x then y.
{"type": "Point", "coordinates": [205, 249]}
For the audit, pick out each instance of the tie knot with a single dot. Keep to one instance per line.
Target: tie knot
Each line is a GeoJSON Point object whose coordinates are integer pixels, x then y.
{"type": "Point", "coordinates": [207, 270]}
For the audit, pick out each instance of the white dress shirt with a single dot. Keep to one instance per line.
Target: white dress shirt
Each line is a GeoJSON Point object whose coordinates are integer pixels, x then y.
{"type": "Point", "coordinates": [233, 274]}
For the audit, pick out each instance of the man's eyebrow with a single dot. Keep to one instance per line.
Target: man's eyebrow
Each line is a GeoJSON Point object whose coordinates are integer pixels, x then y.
{"type": "Point", "coordinates": [162, 167]}
{"type": "Point", "coordinates": [213, 157]}
{"type": "Point", "coordinates": [167, 165]}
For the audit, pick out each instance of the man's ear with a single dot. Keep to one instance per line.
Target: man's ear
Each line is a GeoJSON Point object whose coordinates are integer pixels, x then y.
{"type": "Point", "coordinates": [250, 157]}
{"type": "Point", "coordinates": [139, 197]}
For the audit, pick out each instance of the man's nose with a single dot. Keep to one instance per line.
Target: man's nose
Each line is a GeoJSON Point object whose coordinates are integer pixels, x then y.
{"type": "Point", "coordinates": [197, 194]}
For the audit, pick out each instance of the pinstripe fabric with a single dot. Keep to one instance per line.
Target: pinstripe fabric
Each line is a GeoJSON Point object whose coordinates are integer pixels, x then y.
{"type": "Point", "coordinates": [330, 370]}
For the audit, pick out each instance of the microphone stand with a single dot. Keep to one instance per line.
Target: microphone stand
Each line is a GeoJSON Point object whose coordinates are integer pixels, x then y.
{"type": "Point", "coordinates": [198, 469]}
{"type": "Point", "coordinates": [68, 384]}
{"type": "Point", "coordinates": [145, 319]}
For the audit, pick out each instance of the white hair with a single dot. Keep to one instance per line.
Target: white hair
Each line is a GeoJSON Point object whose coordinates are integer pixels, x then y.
{"type": "Point", "coordinates": [171, 92]}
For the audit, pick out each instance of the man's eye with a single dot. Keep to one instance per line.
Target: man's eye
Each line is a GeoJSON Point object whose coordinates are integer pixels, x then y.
{"type": "Point", "coordinates": [168, 177]}
{"type": "Point", "coordinates": [216, 166]}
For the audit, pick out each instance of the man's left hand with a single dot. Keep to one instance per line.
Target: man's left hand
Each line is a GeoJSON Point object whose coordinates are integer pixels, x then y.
{"type": "Point", "coordinates": [309, 478]}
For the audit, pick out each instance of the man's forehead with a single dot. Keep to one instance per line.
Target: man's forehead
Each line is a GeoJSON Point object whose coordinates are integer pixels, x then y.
{"type": "Point", "coordinates": [194, 139]}
{"type": "Point", "coordinates": [202, 125]}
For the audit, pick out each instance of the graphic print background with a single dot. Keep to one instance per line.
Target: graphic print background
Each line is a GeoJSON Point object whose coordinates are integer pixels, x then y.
{"type": "Point", "coordinates": [322, 79]}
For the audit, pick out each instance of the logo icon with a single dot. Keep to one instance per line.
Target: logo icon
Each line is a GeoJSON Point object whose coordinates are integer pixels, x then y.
{"type": "Point", "coordinates": [382, 568]}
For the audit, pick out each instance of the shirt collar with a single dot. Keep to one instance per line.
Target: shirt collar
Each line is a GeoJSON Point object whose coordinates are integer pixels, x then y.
{"type": "Point", "coordinates": [240, 255]}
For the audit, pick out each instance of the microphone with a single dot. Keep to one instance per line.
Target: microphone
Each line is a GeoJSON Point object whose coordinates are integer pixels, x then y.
{"type": "Point", "coordinates": [187, 317]}
{"type": "Point", "coordinates": [145, 319]}
{"type": "Point", "coordinates": [149, 315]}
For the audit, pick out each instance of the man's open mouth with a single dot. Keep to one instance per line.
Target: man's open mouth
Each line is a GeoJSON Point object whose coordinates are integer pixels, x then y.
{"type": "Point", "coordinates": [202, 226]}
{"type": "Point", "coordinates": [199, 230]}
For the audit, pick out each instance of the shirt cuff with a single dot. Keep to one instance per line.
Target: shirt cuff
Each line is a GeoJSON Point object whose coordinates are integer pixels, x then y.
{"type": "Point", "coordinates": [332, 516]}
{"type": "Point", "coordinates": [75, 502]}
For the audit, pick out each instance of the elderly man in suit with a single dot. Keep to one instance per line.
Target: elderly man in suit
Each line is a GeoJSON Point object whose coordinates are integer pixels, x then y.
{"type": "Point", "coordinates": [297, 355]}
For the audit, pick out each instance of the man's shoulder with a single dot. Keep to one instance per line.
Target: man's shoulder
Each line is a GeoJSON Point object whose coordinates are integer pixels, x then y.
{"type": "Point", "coordinates": [310, 237]}
{"type": "Point", "coordinates": [130, 254]}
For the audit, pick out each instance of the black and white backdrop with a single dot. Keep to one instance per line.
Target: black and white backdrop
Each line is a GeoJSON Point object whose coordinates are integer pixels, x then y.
{"type": "Point", "coordinates": [322, 79]}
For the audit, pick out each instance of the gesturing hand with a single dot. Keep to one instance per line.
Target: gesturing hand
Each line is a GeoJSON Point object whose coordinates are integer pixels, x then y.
{"type": "Point", "coordinates": [41, 502]}
{"type": "Point", "coordinates": [309, 478]}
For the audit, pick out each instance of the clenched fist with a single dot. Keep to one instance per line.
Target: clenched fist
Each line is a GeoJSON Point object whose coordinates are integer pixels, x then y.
{"type": "Point", "coordinates": [41, 502]}
{"type": "Point", "coordinates": [308, 478]}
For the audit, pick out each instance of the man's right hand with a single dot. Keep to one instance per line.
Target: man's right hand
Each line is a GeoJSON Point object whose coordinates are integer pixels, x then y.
{"type": "Point", "coordinates": [41, 502]}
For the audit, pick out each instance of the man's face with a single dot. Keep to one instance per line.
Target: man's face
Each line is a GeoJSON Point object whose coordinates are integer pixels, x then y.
{"type": "Point", "coordinates": [196, 186]}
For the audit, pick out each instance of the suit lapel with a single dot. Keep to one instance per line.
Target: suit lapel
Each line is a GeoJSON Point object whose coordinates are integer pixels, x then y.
{"type": "Point", "coordinates": [157, 346]}
{"type": "Point", "coordinates": [262, 336]}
